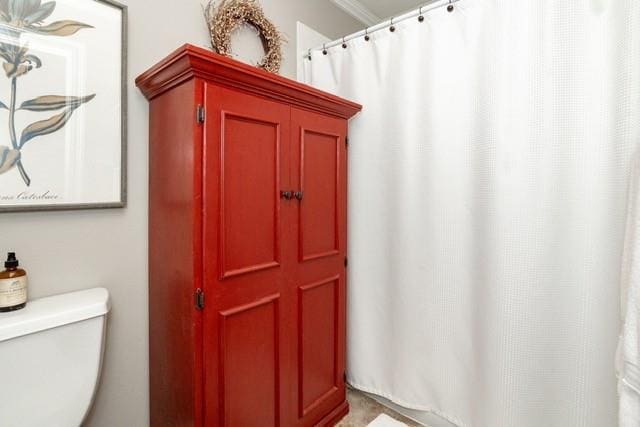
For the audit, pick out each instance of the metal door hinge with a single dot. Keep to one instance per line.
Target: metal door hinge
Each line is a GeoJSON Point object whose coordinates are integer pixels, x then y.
{"type": "Point", "coordinates": [200, 114]}
{"type": "Point", "coordinates": [199, 299]}
{"type": "Point", "coordinates": [346, 262]}
{"type": "Point", "coordinates": [346, 141]}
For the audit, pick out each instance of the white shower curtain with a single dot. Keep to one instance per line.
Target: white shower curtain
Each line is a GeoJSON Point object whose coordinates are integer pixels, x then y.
{"type": "Point", "coordinates": [488, 175]}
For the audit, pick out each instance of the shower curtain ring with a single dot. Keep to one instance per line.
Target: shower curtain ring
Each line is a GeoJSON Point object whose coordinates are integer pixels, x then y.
{"type": "Point", "coordinates": [344, 44]}
{"type": "Point", "coordinates": [450, 7]}
{"type": "Point", "coordinates": [366, 35]}
{"type": "Point", "coordinates": [324, 48]}
{"type": "Point", "coordinates": [420, 16]}
{"type": "Point", "coordinates": [392, 28]}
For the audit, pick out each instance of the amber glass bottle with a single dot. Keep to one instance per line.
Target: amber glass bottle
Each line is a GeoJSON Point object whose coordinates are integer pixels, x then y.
{"type": "Point", "coordinates": [13, 285]}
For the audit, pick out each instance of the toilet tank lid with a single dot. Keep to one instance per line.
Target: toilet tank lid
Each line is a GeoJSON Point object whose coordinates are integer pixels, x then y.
{"type": "Point", "coordinates": [51, 312]}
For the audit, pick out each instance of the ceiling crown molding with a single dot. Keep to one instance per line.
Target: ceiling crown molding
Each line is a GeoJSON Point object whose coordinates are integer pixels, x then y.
{"type": "Point", "coordinates": [358, 11]}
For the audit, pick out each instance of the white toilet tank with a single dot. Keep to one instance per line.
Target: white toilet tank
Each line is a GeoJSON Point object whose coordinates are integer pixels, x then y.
{"type": "Point", "coordinates": [50, 359]}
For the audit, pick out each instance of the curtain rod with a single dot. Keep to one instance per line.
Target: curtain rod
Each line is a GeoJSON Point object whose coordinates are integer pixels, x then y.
{"type": "Point", "coordinates": [431, 5]}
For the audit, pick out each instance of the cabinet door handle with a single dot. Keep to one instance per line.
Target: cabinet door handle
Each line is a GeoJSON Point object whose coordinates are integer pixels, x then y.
{"type": "Point", "coordinates": [299, 195]}
{"type": "Point", "coordinates": [287, 195]}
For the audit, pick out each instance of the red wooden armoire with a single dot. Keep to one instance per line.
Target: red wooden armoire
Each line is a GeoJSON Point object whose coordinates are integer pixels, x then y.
{"type": "Point", "coordinates": [247, 245]}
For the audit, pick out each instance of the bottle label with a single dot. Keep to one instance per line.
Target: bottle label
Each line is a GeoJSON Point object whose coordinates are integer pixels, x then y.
{"type": "Point", "coordinates": [13, 291]}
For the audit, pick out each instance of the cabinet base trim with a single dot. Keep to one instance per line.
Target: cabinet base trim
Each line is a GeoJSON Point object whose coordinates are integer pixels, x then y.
{"type": "Point", "coordinates": [334, 416]}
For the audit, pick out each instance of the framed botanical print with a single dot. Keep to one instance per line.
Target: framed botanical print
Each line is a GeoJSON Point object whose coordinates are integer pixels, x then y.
{"type": "Point", "coordinates": [62, 104]}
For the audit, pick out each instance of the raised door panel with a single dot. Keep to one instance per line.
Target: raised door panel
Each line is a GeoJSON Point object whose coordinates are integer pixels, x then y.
{"type": "Point", "coordinates": [318, 358]}
{"type": "Point", "coordinates": [250, 166]}
{"type": "Point", "coordinates": [319, 179]}
{"type": "Point", "coordinates": [250, 364]}
{"type": "Point", "coordinates": [246, 238]}
{"type": "Point", "coordinates": [318, 154]}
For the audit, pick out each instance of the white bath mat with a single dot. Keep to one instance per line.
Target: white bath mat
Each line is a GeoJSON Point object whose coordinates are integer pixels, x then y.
{"type": "Point", "coordinates": [386, 421]}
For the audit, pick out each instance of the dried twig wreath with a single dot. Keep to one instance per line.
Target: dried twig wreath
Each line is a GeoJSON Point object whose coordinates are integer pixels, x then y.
{"type": "Point", "coordinates": [225, 17]}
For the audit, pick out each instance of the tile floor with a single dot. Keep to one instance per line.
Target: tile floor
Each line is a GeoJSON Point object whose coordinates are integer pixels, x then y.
{"type": "Point", "coordinates": [363, 410]}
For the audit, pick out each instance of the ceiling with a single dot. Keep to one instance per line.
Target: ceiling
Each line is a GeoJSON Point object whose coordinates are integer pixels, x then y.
{"type": "Point", "coordinates": [388, 8]}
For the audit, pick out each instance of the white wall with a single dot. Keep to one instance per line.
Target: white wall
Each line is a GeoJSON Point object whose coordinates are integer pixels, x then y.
{"type": "Point", "coordinates": [306, 38]}
{"type": "Point", "coordinates": [66, 251]}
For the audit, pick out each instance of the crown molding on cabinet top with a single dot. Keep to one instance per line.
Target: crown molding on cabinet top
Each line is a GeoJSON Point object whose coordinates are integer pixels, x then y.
{"type": "Point", "coordinates": [359, 11]}
{"type": "Point", "coordinates": [190, 61]}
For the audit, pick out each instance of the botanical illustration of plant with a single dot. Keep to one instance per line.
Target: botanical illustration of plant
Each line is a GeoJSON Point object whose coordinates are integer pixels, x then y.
{"type": "Point", "coordinates": [16, 18]}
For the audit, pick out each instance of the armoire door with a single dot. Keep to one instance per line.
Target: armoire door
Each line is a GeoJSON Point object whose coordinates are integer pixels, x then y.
{"type": "Point", "coordinates": [318, 280]}
{"type": "Point", "coordinates": [247, 362]}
